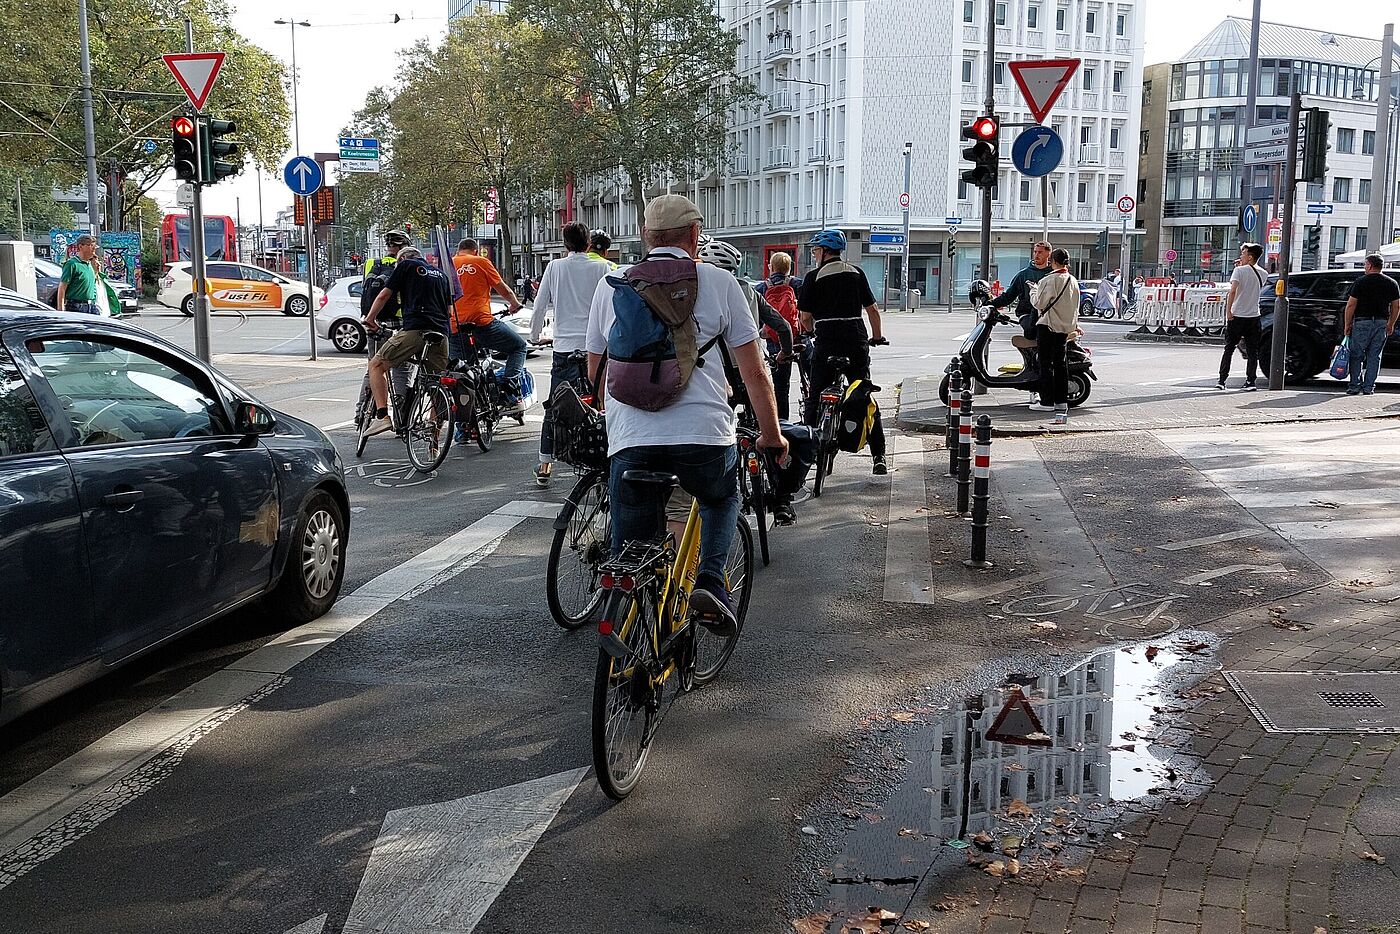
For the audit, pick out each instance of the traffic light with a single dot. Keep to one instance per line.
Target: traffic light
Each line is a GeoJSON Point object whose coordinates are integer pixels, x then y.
{"type": "Point", "coordinates": [1315, 146]}
{"type": "Point", "coordinates": [1101, 244]}
{"type": "Point", "coordinates": [952, 248]}
{"type": "Point", "coordinates": [184, 143]}
{"type": "Point", "coordinates": [1312, 239]}
{"type": "Point", "coordinates": [222, 157]}
{"type": "Point", "coordinates": [984, 153]}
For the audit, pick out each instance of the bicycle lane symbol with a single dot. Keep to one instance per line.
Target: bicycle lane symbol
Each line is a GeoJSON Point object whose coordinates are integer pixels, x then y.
{"type": "Point", "coordinates": [392, 474]}
{"type": "Point", "coordinates": [1134, 610]}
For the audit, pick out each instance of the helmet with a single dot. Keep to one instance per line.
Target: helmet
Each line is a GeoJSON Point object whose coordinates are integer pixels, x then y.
{"type": "Point", "coordinates": [724, 255]}
{"type": "Point", "coordinates": [397, 238]}
{"type": "Point", "coordinates": [979, 293]}
{"type": "Point", "coordinates": [599, 240]}
{"type": "Point", "coordinates": [831, 239]}
{"type": "Point", "coordinates": [704, 240]}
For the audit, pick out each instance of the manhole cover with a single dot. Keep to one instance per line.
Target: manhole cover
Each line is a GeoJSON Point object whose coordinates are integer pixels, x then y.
{"type": "Point", "coordinates": [1321, 701]}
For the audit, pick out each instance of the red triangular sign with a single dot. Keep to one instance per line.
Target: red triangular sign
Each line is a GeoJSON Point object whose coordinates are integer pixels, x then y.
{"type": "Point", "coordinates": [1017, 723]}
{"type": "Point", "coordinates": [195, 72]}
{"type": "Point", "coordinates": [1042, 81]}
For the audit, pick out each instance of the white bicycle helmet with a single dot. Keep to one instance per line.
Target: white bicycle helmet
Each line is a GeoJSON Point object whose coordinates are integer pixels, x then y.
{"type": "Point", "coordinates": [724, 255]}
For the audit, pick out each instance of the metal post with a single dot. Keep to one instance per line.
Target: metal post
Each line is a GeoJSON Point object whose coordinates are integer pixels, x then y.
{"type": "Point", "coordinates": [981, 472]}
{"type": "Point", "coordinates": [1250, 103]}
{"type": "Point", "coordinates": [952, 255]}
{"type": "Point", "coordinates": [904, 254]}
{"type": "Point", "coordinates": [310, 273]}
{"type": "Point", "coordinates": [1278, 354]}
{"type": "Point", "coordinates": [950, 436]}
{"type": "Point", "coordinates": [90, 136]}
{"type": "Point", "coordinates": [197, 254]}
{"type": "Point", "coordinates": [1045, 208]}
{"type": "Point", "coordinates": [19, 206]}
{"type": "Point", "coordinates": [991, 104]}
{"type": "Point", "coordinates": [964, 452]}
{"type": "Point", "coordinates": [1125, 274]}
{"type": "Point", "coordinates": [259, 252]}
{"type": "Point", "coordinates": [1376, 234]}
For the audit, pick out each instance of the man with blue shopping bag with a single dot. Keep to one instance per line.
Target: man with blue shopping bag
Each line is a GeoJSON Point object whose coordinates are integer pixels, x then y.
{"type": "Point", "coordinates": [1369, 320]}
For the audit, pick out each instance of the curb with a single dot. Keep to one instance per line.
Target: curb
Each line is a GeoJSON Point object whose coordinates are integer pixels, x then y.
{"type": "Point", "coordinates": [1173, 339]}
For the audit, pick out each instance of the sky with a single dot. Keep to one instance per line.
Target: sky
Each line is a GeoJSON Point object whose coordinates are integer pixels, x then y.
{"type": "Point", "coordinates": [352, 47]}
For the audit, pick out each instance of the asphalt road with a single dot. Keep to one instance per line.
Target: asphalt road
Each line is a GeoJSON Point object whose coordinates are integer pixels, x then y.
{"type": "Point", "coordinates": [437, 753]}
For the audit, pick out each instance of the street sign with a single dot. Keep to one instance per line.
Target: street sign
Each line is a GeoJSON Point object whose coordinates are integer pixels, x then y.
{"type": "Point", "coordinates": [894, 238]}
{"type": "Point", "coordinates": [904, 199]}
{"type": "Point", "coordinates": [148, 146]}
{"type": "Point", "coordinates": [891, 248]}
{"type": "Point", "coordinates": [184, 195]}
{"type": "Point", "coordinates": [1249, 218]}
{"type": "Point", "coordinates": [359, 165]}
{"type": "Point", "coordinates": [1042, 81]}
{"type": "Point", "coordinates": [1126, 204]}
{"type": "Point", "coordinates": [1319, 209]}
{"type": "Point", "coordinates": [359, 154]}
{"type": "Point", "coordinates": [1169, 256]}
{"type": "Point", "coordinates": [1274, 236]}
{"type": "Point", "coordinates": [1037, 151]}
{"type": "Point", "coordinates": [302, 175]}
{"type": "Point", "coordinates": [1273, 133]}
{"type": "Point", "coordinates": [887, 228]}
{"type": "Point", "coordinates": [1266, 153]}
{"type": "Point", "coordinates": [953, 221]}
{"type": "Point", "coordinates": [195, 72]}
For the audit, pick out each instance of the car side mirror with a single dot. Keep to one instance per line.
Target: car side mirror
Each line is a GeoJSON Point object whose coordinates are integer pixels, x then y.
{"type": "Point", "coordinates": [253, 419]}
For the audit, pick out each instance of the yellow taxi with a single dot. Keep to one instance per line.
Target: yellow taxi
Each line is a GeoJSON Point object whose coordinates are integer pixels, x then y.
{"type": "Point", "coordinates": [236, 286]}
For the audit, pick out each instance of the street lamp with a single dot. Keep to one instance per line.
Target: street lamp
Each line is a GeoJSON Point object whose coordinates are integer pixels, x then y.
{"type": "Point", "coordinates": [826, 134]}
{"type": "Point", "coordinates": [296, 111]}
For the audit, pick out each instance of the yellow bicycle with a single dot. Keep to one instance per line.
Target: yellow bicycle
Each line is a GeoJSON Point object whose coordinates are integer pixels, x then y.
{"type": "Point", "coordinates": [652, 647]}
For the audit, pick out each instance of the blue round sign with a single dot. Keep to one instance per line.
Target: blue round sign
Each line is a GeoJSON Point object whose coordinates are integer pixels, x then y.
{"type": "Point", "coordinates": [1249, 218]}
{"type": "Point", "coordinates": [303, 176]}
{"type": "Point", "coordinates": [1037, 151]}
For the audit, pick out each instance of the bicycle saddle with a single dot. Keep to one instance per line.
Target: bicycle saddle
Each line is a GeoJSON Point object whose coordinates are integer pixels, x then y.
{"type": "Point", "coordinates": [839, 362]}
{"type": "Point", "coordinates": [652, 477]}
{"type": "Point", "coordinates": [433, 337]}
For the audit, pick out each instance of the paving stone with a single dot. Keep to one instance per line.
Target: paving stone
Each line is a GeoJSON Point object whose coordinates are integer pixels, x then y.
{"type": "Point", "coordinates": [1049, 917]}
{"type": "Point", "coordinates": [1134, 917]}
{"type": "Point", "coordinates": [1177, 927]}
{"type": "Point", "coordinates": [1253, 815]}
{"type": "Point", "coordinates": [1152, 860]}
{"type": "Point", "coordinates": [1000, 925]}
{"type": "Point", "coordinates": [1141, 889]}
{"type": "Point", "coordinates": [1218, 920]}
{"type": "Point", "coordinates": [1094, 902]}
{"type": "Point", "coordinates": [1014, 900]}
{"type": "Point", "coordinates": [1177, 905]}
{"type": "Point", "coordinates": [1223, 891]}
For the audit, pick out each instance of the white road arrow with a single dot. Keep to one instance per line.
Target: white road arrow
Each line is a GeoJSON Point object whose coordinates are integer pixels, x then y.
{"type": "Point", "coordinates": [1205, 576]}
{"type": "Point", "coordinates": [438, 867]}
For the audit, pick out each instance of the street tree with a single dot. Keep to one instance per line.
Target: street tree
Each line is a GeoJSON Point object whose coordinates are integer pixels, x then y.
{"type": "Point", "coordinates": [655, 78]}
{"type": "Point", "coordinates": [28, 194]}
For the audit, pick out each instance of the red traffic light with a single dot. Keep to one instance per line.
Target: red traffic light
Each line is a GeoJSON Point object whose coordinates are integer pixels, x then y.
{"type": "Point", "coordinates": [183, 126]}
{"type": "Point", "coordinates": [985, 127]}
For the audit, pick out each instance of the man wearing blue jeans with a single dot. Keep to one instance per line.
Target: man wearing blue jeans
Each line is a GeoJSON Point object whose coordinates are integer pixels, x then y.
{"type": "Point", "coordinates": [1372, 309]}
{"type": "Point", "coordinates": [692, 437]}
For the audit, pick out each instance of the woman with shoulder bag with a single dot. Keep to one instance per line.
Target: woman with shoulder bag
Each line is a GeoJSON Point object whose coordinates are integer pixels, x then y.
{"type": "Point", "coordinates": [1057, 300]}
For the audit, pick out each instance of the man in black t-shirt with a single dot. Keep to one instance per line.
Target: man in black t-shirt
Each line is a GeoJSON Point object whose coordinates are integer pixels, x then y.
{"type": "Point", "coordinates": [1372, 309]}
{"type": "Point", "coordinates": [832, 298]}
{"type": "Point", "coordinates": [426, 296]}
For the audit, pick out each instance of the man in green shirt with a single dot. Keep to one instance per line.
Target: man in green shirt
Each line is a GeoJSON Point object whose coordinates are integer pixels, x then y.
{"type": "Point", "coordinates": [77, 289]}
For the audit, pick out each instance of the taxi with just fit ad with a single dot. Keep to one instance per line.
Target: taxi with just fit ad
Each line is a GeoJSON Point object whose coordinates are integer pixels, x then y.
{"type": "Point", "coordinates": [236, 287]}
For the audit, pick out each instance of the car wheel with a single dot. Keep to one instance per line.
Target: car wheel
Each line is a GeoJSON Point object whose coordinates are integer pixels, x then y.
{"type": "Point", "coordinates": [1086, 308]}
{"type": "Point", "coordinates": [297, 306]}
{"type": "Point", "coordinates": [187, 306]}
{"type": "Point", "coordinates": [348, 336]}
{"type": "Point", "coordinates": [1302, 362]}
{"type": "Point", "coordinates": [315, 565]}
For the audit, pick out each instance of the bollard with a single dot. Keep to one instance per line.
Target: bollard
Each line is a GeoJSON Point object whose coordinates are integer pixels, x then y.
{"type": "Point", "coordinates": [954, 404]}
{"type": "Point", "coordinates": [964, 451]}
{"type": "Point", "coordinates": [982, 473]}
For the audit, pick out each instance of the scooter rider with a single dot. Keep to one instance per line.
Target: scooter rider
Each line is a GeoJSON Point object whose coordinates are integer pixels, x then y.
{"type": "Point", "coordinates": [1019, 291]}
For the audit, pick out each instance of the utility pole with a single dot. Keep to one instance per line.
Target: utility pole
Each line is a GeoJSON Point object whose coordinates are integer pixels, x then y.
{"type": "Point", "coordinates": [90, 136]}
{"type": "Point", "coordinates": [1376, 231]}
{"type": "Point", "coordinates": [1279, 338]}
{"type": "Point", "coordinates": [1250, 109]}
{"type": "Point", "coordinates": [904, 254]}
{"type": "Point", "coordinates": [991, 105]}
{"type": "Point", "coordinates": [19, 206]}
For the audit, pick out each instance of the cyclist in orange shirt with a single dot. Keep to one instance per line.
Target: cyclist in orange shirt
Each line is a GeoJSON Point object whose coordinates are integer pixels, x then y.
{"type": "Point", "coordinates": [473, 310]}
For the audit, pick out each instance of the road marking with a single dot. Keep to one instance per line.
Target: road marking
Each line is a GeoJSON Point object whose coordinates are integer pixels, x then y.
{"type": "Point", "coordinates": [314, 926]}
{"type": "Point", "coordinates": [338, 425]}
{"type": "Point", "coordinates": [992, 590]}
{"type": "Point", "coordinates": [1232, 476]}
{"type": "Point", "coordinates": [908, 560]}
{"type": "Point", "coordinates": [1349, 529]}
{"type": "Point", "coordinates": [323, 399]}
{"type": "Point", "coordinates": [69, 800]}
{"type": "Point", "coordinates": [531, 509]}
{"type": "Point", "coordinates": [1368, 496]}
{"type": "Point", "coordinates": [1211, 539]}
{"type": "Point", "coordinates": [1206, 576]}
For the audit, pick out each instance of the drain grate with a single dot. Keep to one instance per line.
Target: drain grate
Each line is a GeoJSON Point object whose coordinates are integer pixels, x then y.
{"type": "Point", "coordinates": [1321, 701]}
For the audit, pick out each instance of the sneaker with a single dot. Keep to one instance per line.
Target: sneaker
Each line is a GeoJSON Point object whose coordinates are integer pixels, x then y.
{"type": "Point", "coordinates": [880, 468]}
{"type": "Point", "coordinates": [1353, 392]}
{"type": "Point", "coordinates": [542, 475]}
{"type": "Point", "coordinates": [784, 515]}
{"type": "Point", "coordinates": [378, 426]}
{"type": "Point", "coordinates": [1368, 392]}
{"type": "Point", "coordinates": [709, 600]}
{"type": "Point", "coordinates": [460, 436]}
{"type": "Point", "coordinates": [1037, 407]}
{"type": "Point", "coordinates": [1220, 385]}
{"type": "Point", "coordinates": [1035, 399]}
{"type": "Point", "coordinates": [1249, 387]}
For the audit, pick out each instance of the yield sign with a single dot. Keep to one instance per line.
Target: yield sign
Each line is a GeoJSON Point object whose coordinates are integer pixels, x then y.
{"type": "Point", "coordinates": [1017, 723]}
{"type": "Point", "coordinates": [1042, 81]}
{"type": "Point", "coordinates": [195, 72]}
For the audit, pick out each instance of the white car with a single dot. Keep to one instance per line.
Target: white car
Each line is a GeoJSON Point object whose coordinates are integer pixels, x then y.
{"type": "Point", "coordinates": [236, 286]}
{"type": "Point", "coordinates": [338, 319]}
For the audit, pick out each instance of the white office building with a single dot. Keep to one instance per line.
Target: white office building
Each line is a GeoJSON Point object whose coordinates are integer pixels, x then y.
{"type": "Point", "coordinates": [847, 83]}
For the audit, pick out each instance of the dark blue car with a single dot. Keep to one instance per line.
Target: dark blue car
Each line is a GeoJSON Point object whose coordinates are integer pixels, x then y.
{"type": "Point", "coordinates": [143, 494]}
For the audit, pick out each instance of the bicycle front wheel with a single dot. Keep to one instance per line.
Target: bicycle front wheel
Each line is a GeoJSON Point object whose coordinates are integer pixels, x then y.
{"type": "Point", "coordinates": [571, 580]}
{"type": "Point", "coordinates": [429, 432]}
{"type": "Point", "coordinates": [712, 652]}
{"type": "Point", "coordinates": [760, 509]}
{"type": "Point", "coordinates": [625, 703]}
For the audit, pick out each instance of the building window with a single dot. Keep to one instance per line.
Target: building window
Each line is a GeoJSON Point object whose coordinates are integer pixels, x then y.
{"type": "Point", "coordinates": [967, 71]}
{"type": "Point", "coordinates": [999, 73]}
{"type": "Point", "coordinates": [1341, 190]}
{"type": "Point", "coordinates": [1346, 139]}
{"type": "Point", "coordinates": [1083, 192]}
{"type": "Point", "coordinates": [1025, 191]}
{"type": "Point", "coordinates": [1339, 240]}
{"type": "Point", "coordinates": [1001, 14]}
{"type": "Point", "coordinates": [1086, 134]}
{"type": "Point", "coordinates": [1088, 79]}
{"type": "Point", "coordinates": [1091, 22]}
{"type": "Point", "coordinates": [1112, 193]}
{"type": "Point", "coordinates": [1032, 17]}
{"type": "Point", "coordinates": [1061, 15]}
{"type": "Point", "coordinates": [1316, 191]}
{"type": "Point", "coordinates": [1361, 238]}
{"type": "Point", "coordinates": [1368, 142]}
{"type": "Point", "coordinates": [1363, 191]}
{"type": "Point", "coordinates": [1113, 137]}
{"type": "Point", "coordinates": [1121, 27]}
{"type": "Point", "coordinates": [969, 11]}
{"type": "Point", "coordinates": [1117, 82]}
{"type": "Point", "coordinates": [962, 191]}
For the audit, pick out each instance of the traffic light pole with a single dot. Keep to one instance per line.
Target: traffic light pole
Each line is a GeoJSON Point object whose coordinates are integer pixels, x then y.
{"type": "Point", "coordinates": [310, 272]}
{"type": "Point", "coordinates": [978, 388]}
{"type": "Point", "coordinates": [1278, 352]}
{"type": "Point", "coordinates": [201, 298]}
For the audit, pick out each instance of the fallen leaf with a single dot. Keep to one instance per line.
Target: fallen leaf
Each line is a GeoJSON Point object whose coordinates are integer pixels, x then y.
{"type": "Point", "coordinates": [903, 716]}
{"type": "Point", "coordinates": [995, 868]}
{"type": "Point", "coordinates": [909, 832]}
{"type": "Point", "coordinates": [924, 925]}
{"type": "Point", "coordinates": [1044, 625]}
{"type": "Point", "coordinates": [813, 923]}
{"type": "Point", "coordinates": [1013, 867]}
{"type": "Point", "coordinates": [982, 839]}
{"type": "Point", "coordinates": [1151, 652]}
{"type": "Point", "coordinates": [1018, 808]}
{"type": "Point", "coordinates": [1373, 857]}
{"type": "Point", "coordinates": [1011, 845]}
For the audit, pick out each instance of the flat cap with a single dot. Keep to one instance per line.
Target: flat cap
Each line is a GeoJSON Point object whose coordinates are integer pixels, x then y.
{"type": "Point", "coordinates": [669, 211]}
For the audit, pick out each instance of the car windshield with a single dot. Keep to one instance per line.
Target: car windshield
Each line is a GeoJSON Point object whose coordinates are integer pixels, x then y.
{"type": "Point", "coordinates": [46, 268]}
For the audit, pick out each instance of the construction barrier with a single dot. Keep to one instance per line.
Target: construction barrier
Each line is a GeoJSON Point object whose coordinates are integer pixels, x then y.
{"type": "Point", "coordinates": [1174, 309]}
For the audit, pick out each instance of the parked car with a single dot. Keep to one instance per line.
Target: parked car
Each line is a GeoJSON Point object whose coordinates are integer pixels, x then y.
{"type": "Point", "coordinates": [338, 319]}
{"type": "Point", "coordinates": [47, 275]}
{"type": "Point", "coordinates": [236, 286]}
{"type": "Point", "coordinates": [1316, 303]}
{"type": "Point", "coordinates": [9, 298]}
{"type": "Point", "coordinates": [1088, 288]}
{"type": "Point", "coordinates": [145, 495]}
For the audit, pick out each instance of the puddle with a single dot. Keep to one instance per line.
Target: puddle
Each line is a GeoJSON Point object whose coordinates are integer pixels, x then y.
{"type": "Point", "coordinates": [933, 796]}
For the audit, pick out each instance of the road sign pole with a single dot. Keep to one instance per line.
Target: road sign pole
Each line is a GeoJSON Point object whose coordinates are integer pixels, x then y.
{"type": "Point", "coordinates": [1278, 355]}
{"type": "Point", "coordinates": [1045, 208]}
{"type": "Point", "coordinates": [310, 272]}
{"type": "Point", "coordinates": [1123, 262]}
{"type": "Point", "coordinates": [201, 284]}
{"type": "Point", "coordinates": [904, 253]}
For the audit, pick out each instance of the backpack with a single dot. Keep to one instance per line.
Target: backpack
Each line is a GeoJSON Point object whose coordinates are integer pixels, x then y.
{"type": "Point", "coordinates": [652, 344]}
{"type": "Point", "coordinates": [856, 416]}
{"type": "Point", "coordinates": [783, 298]}
{"type": "Point", "coordinates": [374, 282]}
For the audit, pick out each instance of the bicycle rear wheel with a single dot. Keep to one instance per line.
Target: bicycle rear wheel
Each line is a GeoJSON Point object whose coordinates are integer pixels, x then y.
{"type": "Point", "coordinates": [625, 704]}
{"type": "Point", "coordinates": [429, 431]}
{"type": "Point", "coordinates": [571, 580]}
{"type": "Point", "coordinates": [364, 414]}
{"type": "Point", "coordinates": [760, 508]}
{"type": "Point", "coordinates": [487, 414]}
{"type": "Point", "coordinates": [712, 652]}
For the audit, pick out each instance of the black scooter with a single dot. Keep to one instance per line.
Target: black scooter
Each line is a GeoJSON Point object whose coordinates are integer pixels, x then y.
{"type": "Point", "coordinates": [973, 355]}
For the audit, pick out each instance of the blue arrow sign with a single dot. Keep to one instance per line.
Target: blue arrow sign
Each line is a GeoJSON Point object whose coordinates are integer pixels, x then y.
{"type": "Point", "coordinates": [887, 238]}
{"type": "Point", "coordinates": [1037, 151]}
{"type": "Point", "coordinates": [359, 142]}
{"type": "Point", "coordinates": [1319, 209]}
{"type": "Point", "coordinates": [303, 176]}
{"type": "Point", "coordinates": [1250, 218]}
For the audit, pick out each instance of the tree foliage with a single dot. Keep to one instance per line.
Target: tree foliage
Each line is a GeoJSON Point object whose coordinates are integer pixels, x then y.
{"type": "Point", "coordinates": [40, 89]}
{"type": "Point", "coordinates": [41, 211]}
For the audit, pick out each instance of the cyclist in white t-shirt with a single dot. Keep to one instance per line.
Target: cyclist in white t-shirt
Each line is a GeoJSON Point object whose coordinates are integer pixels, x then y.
{"type": "Point", "coordinates": [1242, 315]}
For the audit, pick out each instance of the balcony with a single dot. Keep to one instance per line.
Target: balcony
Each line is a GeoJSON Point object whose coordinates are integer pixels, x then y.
{"type": "Point", "coordinates": [1120, 103]}
{"type": "Point", "coordinates": [1028, 212]}
{"type": "Point", "coordinates": [1121, 45]}
{"type": "Point", "coordinates": [1115, 160]}
{"type": "Point", "coordinates": [1062, 42]}
{"type": "Point", "coordinates": [1006, 95]}
{"type": "Point", "coordinates": [781, 104]}
{"type": "Point", "coordinates": [780, 47]}
{"type": "Point", "coordinates": [971, 95]}
{"type": "Point", "coordinates": [972, 34]}
{"type": "Point", "coordinates": [1003, 37]}
{"type": "Point", "coordinates": [779, 158]}
{"type": "Point", "coordinates": [1035, 40]}
{"type": "Point", "coordinates": [1084, 212]}
{"type": "Point", "coordinates": [1092, 43]}
{"type": "Point", "coordinates": [1089, 154]}
{"type": "Point", "coordinates": [816, 152]}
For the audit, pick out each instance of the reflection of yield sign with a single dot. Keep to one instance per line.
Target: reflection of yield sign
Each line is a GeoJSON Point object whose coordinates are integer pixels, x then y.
{"type": "Point", "coordinates": [1017, 723]}
{"type": "Point", "coordinates": [1042, 81]}
{"type": "Point", "coordinates": [195, 72]}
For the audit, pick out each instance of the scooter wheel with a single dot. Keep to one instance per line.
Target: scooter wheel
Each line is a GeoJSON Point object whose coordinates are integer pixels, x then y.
{"type": "Point", "coordinates": [943, 390]}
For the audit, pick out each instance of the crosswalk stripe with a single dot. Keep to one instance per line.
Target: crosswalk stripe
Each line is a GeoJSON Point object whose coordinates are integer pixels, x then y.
{"type": "Point", "coordinates": [1341, 528]}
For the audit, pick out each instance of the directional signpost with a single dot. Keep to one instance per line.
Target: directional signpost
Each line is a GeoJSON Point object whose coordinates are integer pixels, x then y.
{"type": "Point", "coordinates": [1319, 209]}
{"type": "Point", "coordinates": [887, 238]}
{"type": "Point", "coordinates": [1126, 206]}
{"type": "Point", "coordinates": [359, 154]}
{"type": "Point", "coordinates": [304, 177]}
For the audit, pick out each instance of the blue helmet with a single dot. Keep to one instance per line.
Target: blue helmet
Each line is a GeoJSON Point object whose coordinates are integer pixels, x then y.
{"type": "Point", "coordinates": [831, 239]}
